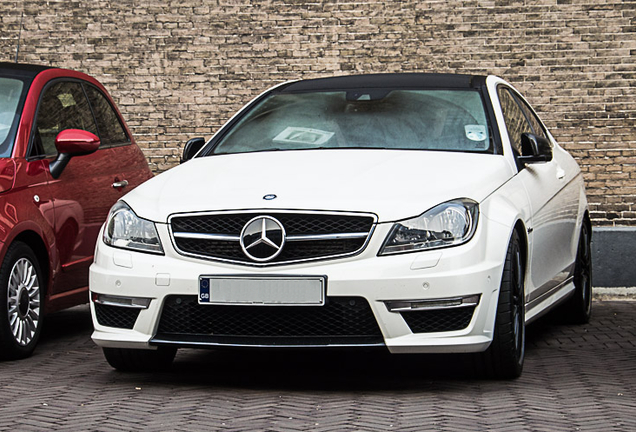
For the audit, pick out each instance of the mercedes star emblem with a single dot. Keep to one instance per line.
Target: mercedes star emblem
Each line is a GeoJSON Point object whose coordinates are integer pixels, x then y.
{"type": "Point", "coordinates": [263, 238]}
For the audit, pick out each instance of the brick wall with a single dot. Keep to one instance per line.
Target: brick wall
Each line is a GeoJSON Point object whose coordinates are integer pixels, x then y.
{"type": "Point", "coordinates": [179, 69]}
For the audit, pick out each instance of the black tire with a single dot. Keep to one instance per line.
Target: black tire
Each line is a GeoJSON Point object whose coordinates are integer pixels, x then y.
{"type": "Point", "coordinates": [140, 360]}
{"type": "Point", "coordinates": [504, 357]}
{"type": "Point", "coordinates": [21, 301]}
{"type": "Point", "coordinates": [578, 308]}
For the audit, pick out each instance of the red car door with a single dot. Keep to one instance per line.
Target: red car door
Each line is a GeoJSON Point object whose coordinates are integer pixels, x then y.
{"type": "Point", "coordinates": [83, 193]}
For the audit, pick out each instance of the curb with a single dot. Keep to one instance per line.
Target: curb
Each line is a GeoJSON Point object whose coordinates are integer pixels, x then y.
{"type": "Point", "coordinates": [614, 293]}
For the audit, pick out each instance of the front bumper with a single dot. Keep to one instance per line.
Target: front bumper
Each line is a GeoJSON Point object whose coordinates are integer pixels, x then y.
{"type": "Point", "coordinates": [442, 276]}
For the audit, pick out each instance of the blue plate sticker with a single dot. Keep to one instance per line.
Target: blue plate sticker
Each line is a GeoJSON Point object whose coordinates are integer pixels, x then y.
{"type": "Point", "coordinates": [204, 291]}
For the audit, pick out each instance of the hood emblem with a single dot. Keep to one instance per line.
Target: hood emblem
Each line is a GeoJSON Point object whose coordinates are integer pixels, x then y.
{"type": "Point", "coordinates": [262, 238]}
{"type": "Point", "coordinates": [269, 197]}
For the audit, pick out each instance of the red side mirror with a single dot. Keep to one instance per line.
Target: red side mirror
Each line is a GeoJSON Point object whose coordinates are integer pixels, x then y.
{"type": "Point", "coordinates": [69, 143]}
{"type": "Point", "coordinates": [76, 142]}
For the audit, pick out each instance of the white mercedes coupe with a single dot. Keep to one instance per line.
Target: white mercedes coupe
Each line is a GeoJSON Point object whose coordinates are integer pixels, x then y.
{"type": "Point", "coordinates": [419, 213]}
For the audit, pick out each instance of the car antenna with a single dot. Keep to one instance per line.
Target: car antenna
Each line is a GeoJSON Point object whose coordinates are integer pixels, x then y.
{"type": "Point", "coordinates": [17, 50]}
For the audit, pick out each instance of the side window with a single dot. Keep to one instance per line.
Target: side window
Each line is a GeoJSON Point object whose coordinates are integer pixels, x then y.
{"type": "Point", "coordinates": [516, 121]}
{"type": "Point", "coordinates": [534, 120]}
{"type": "Point", "coordinates": [111, 131]}
{"type": "Point", "coordinates": [63, 106]}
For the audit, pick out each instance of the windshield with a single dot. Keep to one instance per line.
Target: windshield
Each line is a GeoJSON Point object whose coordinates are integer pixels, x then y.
{"type": "Point", "coordinates": [11, 91]}
{"type": "Point", "coordinates": [447, 120]}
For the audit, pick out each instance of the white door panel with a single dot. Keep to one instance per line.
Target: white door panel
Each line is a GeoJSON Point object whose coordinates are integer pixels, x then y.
{"type": "Point", "coordinates": [554, 198]}
{"type": "Point", "coordinates": [553, 190]}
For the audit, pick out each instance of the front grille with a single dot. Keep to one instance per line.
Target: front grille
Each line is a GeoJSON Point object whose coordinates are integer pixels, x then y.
{"type": "Point", "coordinates": [227, 250]}
{"type": "Point", "coordinates": [227, 229]}
{"type": "Point", "coordinates": [441, 320]}
{"type": "Point", "coordinates": [341, 319]}
{"type": "Point", "coordinates": [115, 316]}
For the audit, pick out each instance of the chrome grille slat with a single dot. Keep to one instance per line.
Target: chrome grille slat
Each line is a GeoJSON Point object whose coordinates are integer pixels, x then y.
{"type": "Point", "coordinates": [206, 236]}
{"type": "Point", "coordinates": [310, 236]}
{"type": "Point", "coordinates": [319, 237]}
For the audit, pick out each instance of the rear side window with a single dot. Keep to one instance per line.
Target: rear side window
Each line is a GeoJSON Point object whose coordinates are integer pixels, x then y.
{"type": "Point", "coordinates": [516, 121]}
{"type": "Point", "coordinates": [63, 106]}
{"type": "Point", "coordinates": [111, 131]}
{"type": "Point", "coordinates": [533, 119]}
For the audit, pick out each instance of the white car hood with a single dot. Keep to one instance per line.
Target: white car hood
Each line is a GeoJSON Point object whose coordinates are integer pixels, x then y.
{"type": "Point", "coordinates": [393, 184]}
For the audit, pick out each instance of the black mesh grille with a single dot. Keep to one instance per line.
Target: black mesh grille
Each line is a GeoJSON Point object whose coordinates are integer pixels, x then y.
{"type": "Point", "coordinates": [295, 225]}
{"type": "Point", "coordinates": [231, 224]}
{"type": "Point", "coordinates": [341, 317]}
{"type": "Point", "coordinates": [212, 248]}
{"type": "Point", "coordinates": [115, 316]}
{"type": "Point", "coordinates": [323, 224]}
{"type": "Point", "coordinates": [317, 249]}
{"type": "Point", "coordinates": [439, 320]}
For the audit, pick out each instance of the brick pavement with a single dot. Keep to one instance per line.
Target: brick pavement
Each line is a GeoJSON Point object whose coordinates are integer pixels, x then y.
{"type": "Point", "coordinates": [575, 378]}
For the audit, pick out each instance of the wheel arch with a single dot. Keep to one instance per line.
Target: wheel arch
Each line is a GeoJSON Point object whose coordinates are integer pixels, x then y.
{"type": "Point", "coordinates": [522, 232]}
{"type": "Point", "coordinates": [511, 212]}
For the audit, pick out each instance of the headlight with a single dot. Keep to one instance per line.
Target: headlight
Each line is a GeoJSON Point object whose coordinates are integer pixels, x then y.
{"type": "Point", "coordinates": [449, 224]}
{"type": "Point", "coordinates": [124, 229]}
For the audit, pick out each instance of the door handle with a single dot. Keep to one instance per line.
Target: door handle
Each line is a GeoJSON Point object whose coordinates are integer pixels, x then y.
{"type": "Point", "coordinates": [120, 184]}
{"type": "Point", "coordinates": [560, 173]}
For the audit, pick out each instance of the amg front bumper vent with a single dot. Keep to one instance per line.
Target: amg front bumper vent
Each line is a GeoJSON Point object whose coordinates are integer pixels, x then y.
{"type": "Point", "coordinates": [305, 236]}
{"type": "Point", "coordinates": [346, 321]}
{"type": "Point", "coordinates": [442, 320]}
{"type": "Point", "coordinates": [436, 315]}
{"type": "Point", "coordinates": [115, 316]}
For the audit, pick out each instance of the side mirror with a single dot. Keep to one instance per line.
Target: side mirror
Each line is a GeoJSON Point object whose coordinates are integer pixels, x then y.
{"type": "Point", "coordinates": [534, 149]}
{"type": "Point", "coordinates": [191, 148]}
{"type": "Point", "coordinates": [69, 143]}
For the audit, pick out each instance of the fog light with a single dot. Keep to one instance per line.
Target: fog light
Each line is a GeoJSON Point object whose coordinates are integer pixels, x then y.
{"type": "Point", "coordinates": [129, 302]}
{"type": "Point", "coordinates": [433, 304]}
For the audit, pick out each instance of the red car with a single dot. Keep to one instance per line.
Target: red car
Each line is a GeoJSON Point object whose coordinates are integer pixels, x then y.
{"type": "Point", "coordinates": [66, 156]}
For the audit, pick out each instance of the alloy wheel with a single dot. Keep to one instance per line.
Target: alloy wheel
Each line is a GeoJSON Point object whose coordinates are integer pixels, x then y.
{"type": "Point", "coordinates": [518, 303]}
{"type": "Point", "coordinates": [584, 265]}
{"type": "Point", "coordinates": [23, 301]}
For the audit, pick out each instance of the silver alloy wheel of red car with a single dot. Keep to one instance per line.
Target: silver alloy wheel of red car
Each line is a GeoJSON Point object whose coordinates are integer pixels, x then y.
{"type": "Point", "coordinates": [23, 298]}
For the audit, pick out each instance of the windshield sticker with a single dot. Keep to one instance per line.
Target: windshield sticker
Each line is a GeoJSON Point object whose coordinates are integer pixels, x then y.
{"type": "Point", "coordinates": [475, 132]}
{"type": "Point", "coordinates": [301, 135]}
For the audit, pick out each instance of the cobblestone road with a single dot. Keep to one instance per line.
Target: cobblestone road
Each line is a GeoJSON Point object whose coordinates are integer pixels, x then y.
{"type": "Point", "coordinates": [575, 378]}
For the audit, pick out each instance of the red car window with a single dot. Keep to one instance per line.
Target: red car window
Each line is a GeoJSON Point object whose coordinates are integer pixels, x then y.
{"type": "Point", "coordinates": [111, 132]}
{"type": "Point", "coordinates": [63, 106]}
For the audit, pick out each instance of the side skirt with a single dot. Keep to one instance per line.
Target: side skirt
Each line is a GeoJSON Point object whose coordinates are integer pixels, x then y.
{"type": "Point", "coordinates": [543, 304]}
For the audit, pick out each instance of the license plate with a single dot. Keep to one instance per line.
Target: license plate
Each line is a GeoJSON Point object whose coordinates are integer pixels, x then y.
{"type": "Point", "coordinates": [263, 291]}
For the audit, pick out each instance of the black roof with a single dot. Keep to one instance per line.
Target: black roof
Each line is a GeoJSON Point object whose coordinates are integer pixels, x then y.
{"type": "Point", "coordinates": [21, 69]}
{"type": "Point", "coordinates": [387, 80]}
